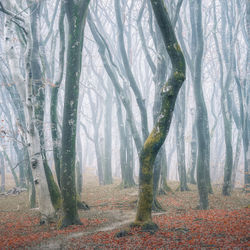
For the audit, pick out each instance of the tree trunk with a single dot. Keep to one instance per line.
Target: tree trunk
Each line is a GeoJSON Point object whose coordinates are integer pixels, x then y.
{"type": "Point", "coordinates": [156, 138]}
{"type": "Point", "coordinates": [11, 169]}
{"type": "Point", "coordinates": [108, 138]}
{"type": "Point", "coordinates": [96, 119]}
{"type": "Point", "coordinates": [126, 169]}
{"type": "Point", "coordinates": [236, 159]}
{"type": "Point", "coordinates": [2, 173]}
{"type": "Point", "coordinates": [193, 154]}
{"type": "Point", "coordinates": [203, 156]}
{"type": "Point", "coordinates": [246, 125]}
{"type": "Point", "coordinates": [39, 98]}
{"type": "Point", "coordinates": [76, 15]}
{"type": "Point", "coordinates": [34, 80]}
{"type": "Point", "coordinates": [180, 140]}
{"type": "Point", "coordinates": [54, 98]}
{"type": "Point", "coordinates": [107, 62]}
{"type": "Point", "coordinates": [159, 80]}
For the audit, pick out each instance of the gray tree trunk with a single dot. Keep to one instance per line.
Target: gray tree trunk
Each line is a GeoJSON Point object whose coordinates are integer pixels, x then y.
{"type": "Point", "coordinates": [2, 173]}
{"type": "Point", "coordinates": [180, 138]}
{"type": "Point", "coordinates": [203, 157]}
{"type": "Point", "coordinates": [76, 14]}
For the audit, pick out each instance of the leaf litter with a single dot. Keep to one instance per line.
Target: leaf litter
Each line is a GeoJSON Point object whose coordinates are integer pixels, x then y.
{"type": "Point", "coordinates": [225, 225]}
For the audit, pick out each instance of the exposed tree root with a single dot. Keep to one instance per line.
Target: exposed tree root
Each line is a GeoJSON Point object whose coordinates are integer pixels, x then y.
{"type": "Point", "coordinates": [182, 189]}
{"type": "Point", "coordinates": [68, 222]}
{"type": "Point", "coordinates": [156, 206]}
{"type": "Point", "coordinates": [82, 205]}
{"type": "Point", "coordinates": [126, 185]}
{"type": "Point", "coordinates": [164, 190]}
{"type": "Point", "coordinates": [148, 226]}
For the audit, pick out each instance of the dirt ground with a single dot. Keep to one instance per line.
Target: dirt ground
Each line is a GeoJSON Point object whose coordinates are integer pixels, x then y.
{"type": "Point", "coordinates": [225, 225]}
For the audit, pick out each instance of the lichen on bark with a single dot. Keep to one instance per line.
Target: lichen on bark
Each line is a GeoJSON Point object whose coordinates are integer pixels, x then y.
{"type": "Point", "coordinates": [156, 138]}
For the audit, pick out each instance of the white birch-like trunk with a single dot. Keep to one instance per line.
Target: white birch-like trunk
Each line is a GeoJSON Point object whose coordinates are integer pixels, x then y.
{"type": "Point", "coordinates": [43, 196]}
{"type": "Point", "coordinates": [24, 87]}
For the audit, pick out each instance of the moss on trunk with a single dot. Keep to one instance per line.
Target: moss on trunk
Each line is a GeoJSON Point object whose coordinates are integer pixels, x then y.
{"type": "Point", "coordinates": [156, 138]}
{"type": "Point", "coordinates": [76, 15]}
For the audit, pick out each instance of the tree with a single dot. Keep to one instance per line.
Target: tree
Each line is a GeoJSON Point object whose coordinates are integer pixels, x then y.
{"type": "Point", "coordinates": [157, 136]}
{"type": "Point", "coordinates": [76, 12]}
{"type": "Point", "coordinates": [180, 140]}
{"type": "Point", "coordinates": [129, 74]}
{"type": "Point", "coordinates": [54, 98]}
{"type": "Point", "coordinates": [35, 93]}
{"type": "Point", "coordinates": [203, 157]}
{"type": "Point", "coordinates": [2, 172]}
{"type": "Point", "coordinates": [246, 116]}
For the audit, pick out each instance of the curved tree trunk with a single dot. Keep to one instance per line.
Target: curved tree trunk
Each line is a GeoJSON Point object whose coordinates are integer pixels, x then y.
{"type": "Point", "coordinates": [203, 157]}
{"type": "Point", "coordinates": [38, 90]}
{"type": "Point", "coordinates": [54, 98]}
{"type": "Point", "coordinates": [34, 92]}
{"type": "Point", "coordinates": [157, 137]}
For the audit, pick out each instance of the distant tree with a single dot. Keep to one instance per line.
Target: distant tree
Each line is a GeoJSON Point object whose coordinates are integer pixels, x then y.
{"type": "Point", "coordinates": [121, 92]}
{"type": "Point", "coordinates": [203, 157]}
{"type": "Point", "coordinates": [54, 97]}
{"type": "Point", "coordinates": [2, 172]}
{"type": "Point", "coordinates": [129, 74]}
{"type": "Point", "coordinates": [180, 139]}
{"type": "Point", "coordinates": [246, 116]}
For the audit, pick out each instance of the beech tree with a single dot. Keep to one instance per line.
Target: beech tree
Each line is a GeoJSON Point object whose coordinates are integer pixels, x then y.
{"type": "Point", "coordinates": [157, 136]}
{"type": "Point", "coordinates": [76, 12]}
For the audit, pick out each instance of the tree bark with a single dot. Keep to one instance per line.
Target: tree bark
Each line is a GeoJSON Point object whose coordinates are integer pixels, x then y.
{"type": "Point", "coordinates": [2, 173]}
{"type": "Point", "coordinates": [33, 79]}
{"type": "Point", "coordinates": [54, 98]}
{"type": "Point", "coordinates": [203, 157]}
{"type": "Point", "coordinates": [76, 15]}
{"type": "Point", "coordinates": [108, 137]}
{"type": "Point", "coordinates": [180, 140]}
{"type": "Point", "coordinates": [126, 169]}
{"type": "Point", "coordinates": [156, 138]}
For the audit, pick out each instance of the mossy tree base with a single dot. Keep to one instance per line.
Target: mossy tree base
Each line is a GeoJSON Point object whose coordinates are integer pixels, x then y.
{"type": "Point", "coordinates": [226, 190]}
{"type": "Point", "coordinates": [193, 182]}
{"type": "Point", "coordinates": [210, 189]}
{"type": "Point", "coordinates": [125, 185]}
{"type": "Point", "coordinates": [54, 191]}
{"type": "Point", "coordinates": [45, 220]}
{"type": "Point", "coordinates": [123, 233]}
{"type": "Point", "coordinates": [164, 188]}
{"type": "Point", "coordinates": [164, 192]}
{"type": "Point", "coordinates": [158, 135]}
{"type": "Point", "coordinates": [202, 206]}
{"type": "Point", "coordinates": [182, 189]}
{"type": "Point", "coordinates": [148, 226]}
{"type": "Point", "coordinates": [65, 222]}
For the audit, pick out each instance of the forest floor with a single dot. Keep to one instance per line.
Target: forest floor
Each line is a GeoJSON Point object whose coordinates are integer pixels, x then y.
{"type": "Point", "coordinates": [181, 226]}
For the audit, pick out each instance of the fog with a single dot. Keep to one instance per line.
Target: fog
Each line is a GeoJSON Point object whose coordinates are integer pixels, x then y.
{"type": "Point", "coordinates": [81, 90]}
